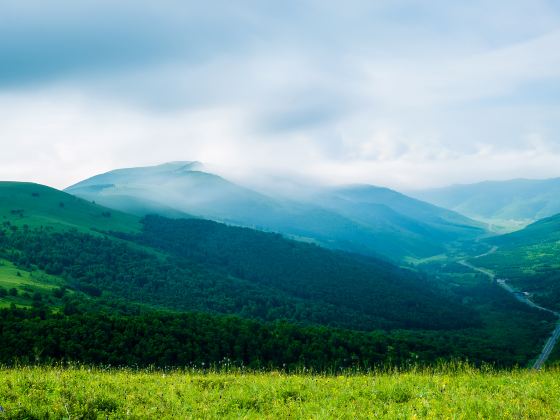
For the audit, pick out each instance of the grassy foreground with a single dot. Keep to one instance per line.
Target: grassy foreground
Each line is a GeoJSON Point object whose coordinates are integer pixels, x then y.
{"type": "Point", "coordinates": [32, 392]}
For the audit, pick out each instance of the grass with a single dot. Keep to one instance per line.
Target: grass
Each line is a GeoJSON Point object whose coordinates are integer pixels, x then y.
{"type": "Point", "coordinates": [26, 284]}
{"type": "Point", "coordinates": [464, 392]}
{"type": "Point", "coordinates": [35, 205]}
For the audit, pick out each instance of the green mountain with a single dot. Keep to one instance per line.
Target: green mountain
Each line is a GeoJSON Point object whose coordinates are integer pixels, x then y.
{"type": "Point", "coordinates": [367, 220]}
{"type": "Point", "coordinates": [193, 264]}
{"type": "Point", "coordinates": [530, 260]}
{"type": "Point", "coordinates": [31, 204]}
{"type": "Point", "coordinates": [421, 225]}
{"type": "Point", "coordinates": [506, 204]}
{"type": "Point", "coordinates": [80, 282]}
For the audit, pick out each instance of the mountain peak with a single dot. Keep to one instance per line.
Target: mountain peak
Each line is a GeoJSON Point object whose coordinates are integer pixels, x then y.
{"type": "Point", "coordinates": [180, 165]}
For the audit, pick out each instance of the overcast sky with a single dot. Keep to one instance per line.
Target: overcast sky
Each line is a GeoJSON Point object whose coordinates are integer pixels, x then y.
{"type": "Point", "coordinates": [401, 93]}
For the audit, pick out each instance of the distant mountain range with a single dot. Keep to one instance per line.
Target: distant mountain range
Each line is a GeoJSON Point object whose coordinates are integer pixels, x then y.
{"type": "Point", "coordinates": [362, 218]}
{"type": "Point", "coordinates": [506, 204]}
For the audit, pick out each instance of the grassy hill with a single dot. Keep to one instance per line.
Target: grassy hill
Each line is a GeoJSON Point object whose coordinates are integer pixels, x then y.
{"type": "Point", "coordinates": [23, 203]}
{"type": "Point", "coordinates": [453, 392]}
{"type": "Point", "coordinates": [23, 288]}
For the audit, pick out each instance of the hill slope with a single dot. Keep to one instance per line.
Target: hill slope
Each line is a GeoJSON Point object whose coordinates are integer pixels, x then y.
{"type": "Point", "coordinates": [530, 259]}
{"type": "Point", "coordinates": [510, 203]}
{"type": "Point", "coordinates": [31, 204]}
{"type": "Point", "coordinates": [207, 266]}
{"type": "Point", "coordinates": [393, 227]}
{"type": "Point", "coordinates": [391, 212]}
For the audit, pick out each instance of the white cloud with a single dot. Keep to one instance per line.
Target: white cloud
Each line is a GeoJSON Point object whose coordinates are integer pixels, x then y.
{"type": "Point", "coordinates": [73, 138]}
{"type": "Point", "coordinates": [399, 93]}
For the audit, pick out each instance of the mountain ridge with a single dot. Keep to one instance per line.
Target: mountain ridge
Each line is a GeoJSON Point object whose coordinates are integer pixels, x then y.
{"type": "Point", "coordinates": [385, 230]}
{"type": "Point", "coordinates": [511, 203]}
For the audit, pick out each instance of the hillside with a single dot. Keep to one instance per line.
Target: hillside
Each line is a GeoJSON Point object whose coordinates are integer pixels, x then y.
{"type": "Point", "coordinates": [530, 260]}
{"type": "Point", "coordinates": [507, 204]}
{"type": "Point", "coordinates": [380, 221]}
{"type": "Point", "coordinates": [34, 205]}
{"type": "Point", "coordinates": [390, 212]}
{"type": "Point", "coordinates": [207, 266]}
{"type": "Point", "coordinates": [215, 268]}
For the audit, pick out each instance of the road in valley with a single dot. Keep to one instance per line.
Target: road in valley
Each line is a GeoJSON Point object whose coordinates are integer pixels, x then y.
{"type": "Point", "coordinates": [520, 296]}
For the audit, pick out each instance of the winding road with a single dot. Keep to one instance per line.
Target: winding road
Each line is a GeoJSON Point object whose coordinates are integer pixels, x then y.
{"type": "Point", "coordinates": [553, 339]}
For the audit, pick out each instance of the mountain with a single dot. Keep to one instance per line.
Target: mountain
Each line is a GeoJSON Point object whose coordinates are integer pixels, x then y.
{"type": "Point", "coordinates": [530, 260]}
{"type": "Point", "coordinates": [390, 211]}
{"type": "Point", "coordinates": [81, 282]}
{"type": "Point", "coordinates": [507, 204]}
{"type": "Point", "coordinates": [199, 265]}
{"type": "Point", "coordinates": [367, 220]}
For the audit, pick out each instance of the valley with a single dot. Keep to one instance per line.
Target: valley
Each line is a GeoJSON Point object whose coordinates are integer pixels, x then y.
{"type": "Point", "coordinates": [521, 297]}
{"type": "Point", "coordinates": [91, 264]}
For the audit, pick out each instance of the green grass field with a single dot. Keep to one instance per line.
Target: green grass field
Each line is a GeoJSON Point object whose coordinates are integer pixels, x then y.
{"type": "Point", "coordinates": [26, 284]}
{"type": "Point", "coordinates": [463, 392]}
{"type": "Point", "coordinates": [34, 205]}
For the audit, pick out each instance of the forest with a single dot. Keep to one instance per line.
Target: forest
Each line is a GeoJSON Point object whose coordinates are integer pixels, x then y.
{"type": "Point", "coordinates": [191, 291]}
{"type": "Point", "coordinates": [165, 339]}
{"type": "Point", "coordinates": [238, 271]}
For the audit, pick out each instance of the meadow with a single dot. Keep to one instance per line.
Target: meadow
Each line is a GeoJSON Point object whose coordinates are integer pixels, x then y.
{"type": "Point", "coordinates": [448, 392]}
{"type": "Point", "coordinates": [28, 285]}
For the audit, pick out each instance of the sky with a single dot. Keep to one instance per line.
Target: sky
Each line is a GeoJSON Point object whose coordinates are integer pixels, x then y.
{"type": "Point", "coordinates": [403, 93]}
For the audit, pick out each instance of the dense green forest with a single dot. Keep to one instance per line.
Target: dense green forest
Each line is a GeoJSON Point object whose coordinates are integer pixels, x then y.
{"type": "Point", "coordinates": [371, 286]}
{"type": "Point", "coordinates": [113, 287]}
{"type": "Point", "coordinates": [321, 287]}
{"type": "Point", "coordinates": [38, 335]}
{"type": "Point", "coordinates": [191, 340]}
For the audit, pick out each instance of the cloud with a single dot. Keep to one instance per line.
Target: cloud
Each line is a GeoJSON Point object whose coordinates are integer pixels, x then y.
{"type": "Point", "coordinates": [403, 93]}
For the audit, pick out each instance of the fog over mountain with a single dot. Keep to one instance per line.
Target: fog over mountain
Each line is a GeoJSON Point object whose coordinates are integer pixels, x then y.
{"type": "Point", "coordinates": [509, 204]}
{"type": "Point", "coordinates": [360, 218]}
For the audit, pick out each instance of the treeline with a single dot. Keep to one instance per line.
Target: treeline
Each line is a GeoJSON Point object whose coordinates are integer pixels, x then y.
{"type": "Point", "coordinates": [201, 340]}
{"type": "Point", "coordinates": [233, 272]}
